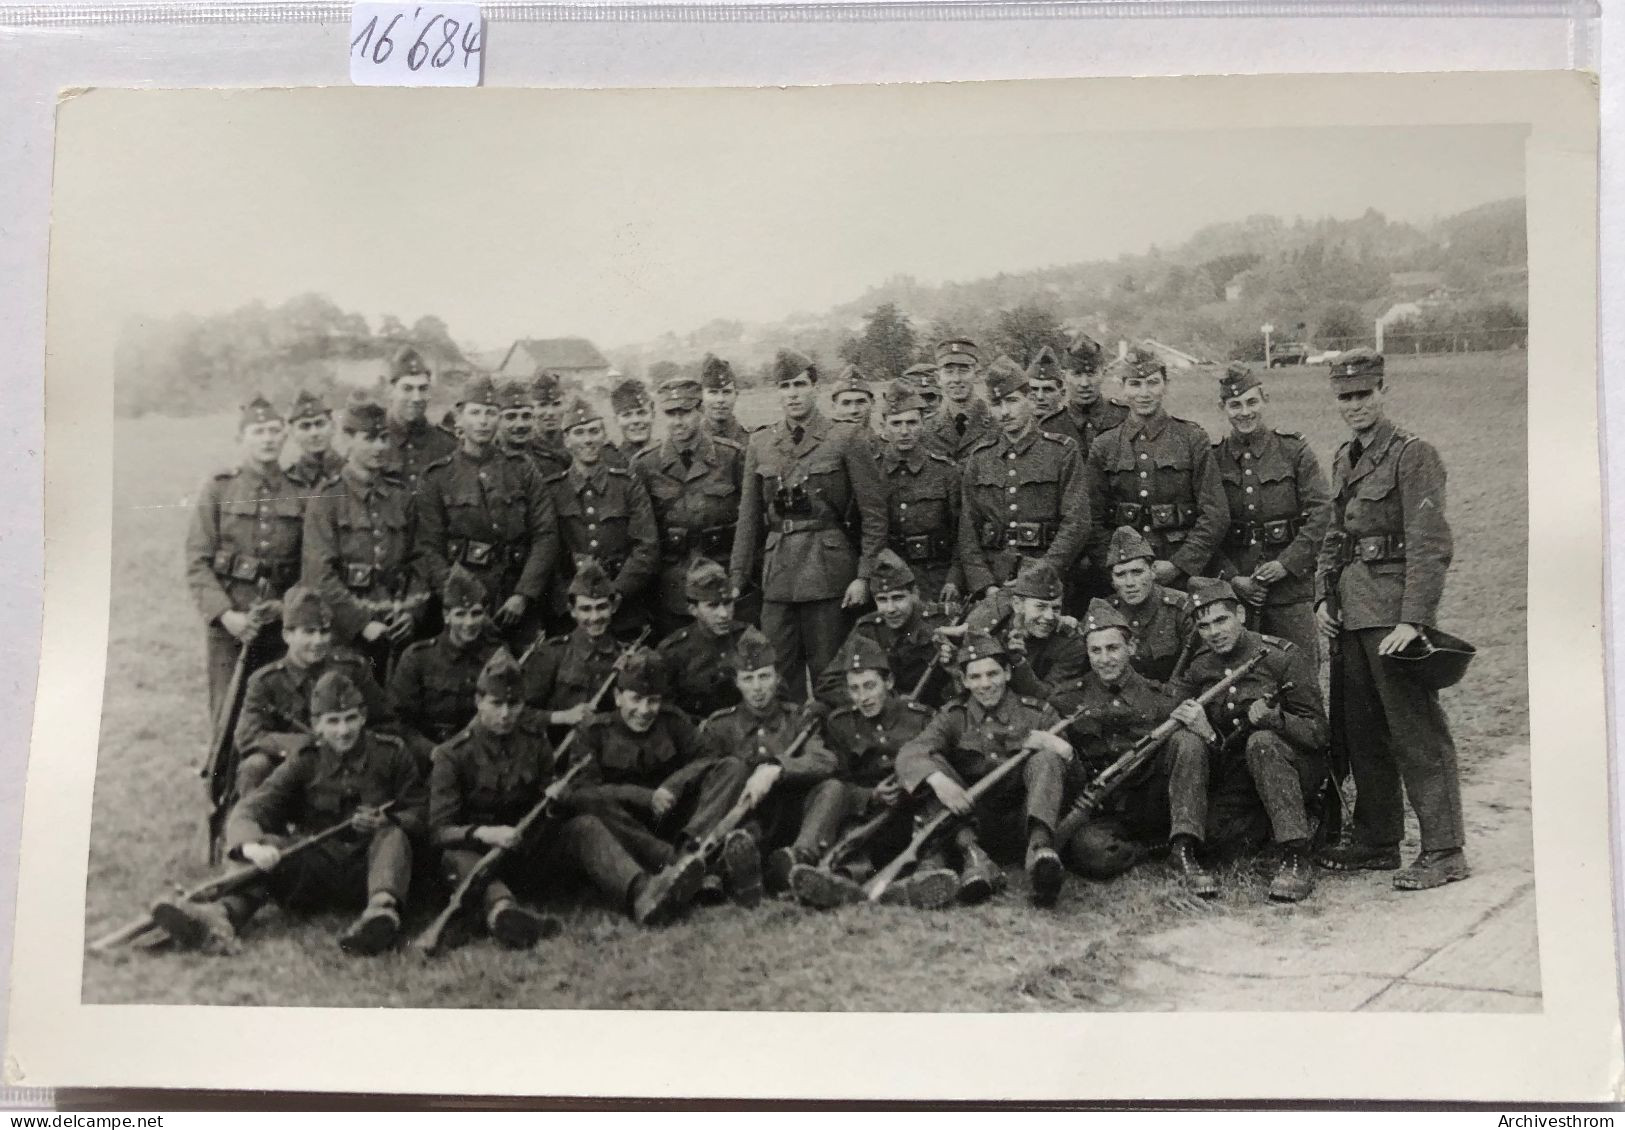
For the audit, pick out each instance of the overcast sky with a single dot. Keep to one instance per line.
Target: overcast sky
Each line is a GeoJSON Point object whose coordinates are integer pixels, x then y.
{"type": "Point", "coordinates": [626, 217]}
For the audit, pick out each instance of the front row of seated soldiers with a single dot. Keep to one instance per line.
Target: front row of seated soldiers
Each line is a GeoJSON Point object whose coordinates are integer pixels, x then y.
{"type": "Point", "coordinates": [655, 785]}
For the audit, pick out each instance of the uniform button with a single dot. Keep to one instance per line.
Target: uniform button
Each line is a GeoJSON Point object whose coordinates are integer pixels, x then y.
{"type": "Point", "coordinates": [1249, 490]}
{"type": "Point", "coordinates": [1248, 471]}
{"type": "Point", "coordinates": [593, 544]}
{"type": "Point", "coordinates": [1013, 506]}
{"type": "Point", "coordinates": [1144, 474]}
{"type": "Point", "coordinates": [1143, 455]}
{"type": "Point", "coordinates": [589, 510]}
{"type": "Point", "coordinates": [902, 506]}
{"type": "Point", "coordinates": [1012, 524]}
{"type": "Point", "coordinates": [1012, 490]}
{"type": "Point", "coordinates": [1145, 493]}
{"type": "Point", "coordinates": [1252, 506]}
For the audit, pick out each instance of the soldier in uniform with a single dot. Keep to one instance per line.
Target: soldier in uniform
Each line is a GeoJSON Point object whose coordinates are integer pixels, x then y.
{"type": "Point", "coordinates": [1157, 473]}
{"type": "Point", "coordinates": [547, 448]}
{"type": "Point", "coordinates": [415, 444]}
{"type": "Point", "coordinates": [1024, 493]}
{"type": "Point", "coordinates": [432, 690]}
{"type": "Point", "coordinates": [311, 422]}
{"type": "Point", "coordinates": [1166, 802]}
{"type": "Point", "coordinates": [1271, 728]}
{"type": "Point", "coordinates": [1047, 383]}
{"type": "Point", "coordinates": [242, 549]}
{"type": "Point", "coordinates": [563, 672]}
{"type": "Point", "coordinates": [923, 496]}
{"type": "Point", "coordinates": [344, 772]}
{"type": "Point", "coordinates": [604, 514]}
{"type": "Point", "coordinates": [865, 735]}
{"type": "Point", "coordinates": [962, 421]}
{"type": "Point", "coordinates": [360, 544]}
{"type": "Point", "coordinates": [487, 510]}
{"type": "Point", "coordinates": [1092, 414]}
{"type": "Point", "coordinates": [1377, 586]}
{"type": "Point", "coordinates": [516, 419]}
{"type": "Point", "coordinates": [635, 417]}
{"type": "Point", "coordinates": [1044, 649]}
{"type": "Point", "coordinates": [967, 740]}
{"type": "Point", "coordinates": [693, 481]}
{"type": "Point", "coordinates": [1161, 618]}
{"type": "Point", "coordinates": [718, 394]}
{"type": "Point", "coordinates": [1279, 511]}
{"type": "Point", "coordinates": [487, 778]}
{"type": "Point", "coordinates": [851, 400]}
{"type": "Point", "coordinates": [804, 476]}
{"type": "Point", "coordinates": [902, 625]}
{"type": "Point", "coordinates": [923, 377]}
{"type": "Point", "coordinates": [275, 720]}
{"type": "Point", "coordinates": [700, 654]}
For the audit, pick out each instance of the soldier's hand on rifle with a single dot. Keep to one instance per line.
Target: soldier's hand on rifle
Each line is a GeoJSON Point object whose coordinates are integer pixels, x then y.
{"type": "Point", "coordinates": [1270, 573]}
{"type": "Point", "coordinates": [504, 836]}
{"type": "Point", "coordinates": [1329, 625]}
{"type": "Point", "coordinates": [263, 856]}
{"type": "Point", "coordinates": [953, 797]}
{"type": "Point", "coordinates": [762, 778]}
{"type": "Point", "coordinates": [1249, 589]}
{"type": "Point", "coordinates": [574, 716]}
{"type": "Point", "coordinates": [400, 626]}
{"type": "Point", "coordinates": [857, 594]}
{"type": "Point", "coordinates": [366, 819]}
{"type": "Point", "coordinates": [1398, 639]}
{"type": "Point", "coordinates": [1166, 572]}
{"type": "Point", "coordinates": [373, 630]}
{"type": "Point", "coordinates": [950, 599]}
{"type": "Point", "coordinates": [661, 802]}
{"type": "Point", "coordinates": [1191, 716]}
{"type": "Point", "coordinates": [889, 792]}
{"type": "Point", "coordinates": [239, 624]}
{"type": "Point", "coordinates": [512, 609]}
{"type": "Point", "coordinates": [1056, 744]}
{"type": "Point", "coordinates": [1263, 715]}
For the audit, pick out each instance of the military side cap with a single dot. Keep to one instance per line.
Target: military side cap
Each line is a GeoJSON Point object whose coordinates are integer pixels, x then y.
{"type": "Point", "coordinates": [1128, 544]}
{"type": "Point", "coordinates": [334, 693]}
{"type": "Point", "coordinates": [304, 607]}
{"type": "Point", "coordinates": [258, 410]}
{"type": "Point", "coordinates": [1003, 378]}
{"type": "Point", "coordinates": [1142, 362]}
{"type": "Point", "coordinates": [546, 387]}
{"type": "Point", "coordinates": [643, 671]}
{"type": "Point", "coordinates": [707, 581]}
{"type": "Point", "coordinates": [500, 678]}
{"type": "Point", "coordinates": [307, 403]}
{"type": "Point", "coordinates": [514, 394]}
{"type": "Point", "coordinates": [462, 589]}
{"type": "Point", "coordinates": [1037, 580]}
{"type": "Point", "coordinates": [479, 390]}
{"type": "Point", "coordinates": [1102, 614]}
{"type": "Point", "coordinates": [579, 412]}
{"type": "Point", "coordinates": [1436, 659]}
{"type": "Point", "coordinates": [959, 350]}
{"type": "Point", "coordinates": [1357, 370]}
{"type": "Point", "coordinates": [851, 380]}
{"type": "Point", "coordinates": [1083, 354]}
{"type": "Point", "coordinates": [1206, 591]}
{"type": "Point", "coordinates": [678, 392]}
{"type": "Point", "coordinates": [716, 373]}
{"type": "Point", "coordinates": [363, 416]}
{"type": "Point", "coordinates": [788, 365]}
{"type": "Point", "coordinates": [901, 396]}
{"type": "Point", "coordinates": [1237, 379]}
{"type": "Point", "coordinates": [863, 653]}
{"type": "Point", "coordinates": [922, 376]}
{"type": "Point", "coordinates": [407, 362]}
{"type": "Point", "coordinates": [979, 645]}
{"type": "Point", "coordinates": [628, 395]}
{"type": "Point", "coordinates": [754, 651]}
{"type": "Point", "coordinates": [1045, 367]}
{"type": "Point", "coordinates": [590, 580]}
{"type": "Point", "coordinates": [891, 573]}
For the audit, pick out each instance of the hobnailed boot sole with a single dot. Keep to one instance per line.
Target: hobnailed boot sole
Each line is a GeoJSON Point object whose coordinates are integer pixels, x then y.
{"type": "Point", "coordinates": [520, 929]}
{"type": "Point", "coordinates": [742, 869]}
{"type": "Point", "coordinates": [778, 869]}
{"type": "Point", "coordinates": [1376, 860]}
{"type": "Point", "coordinates": [372, 934]}
{"type": "Point", "coordinates": [923, 890]}
{"type": "Point", "coordinates": [191, 930]}
{"type": "Point", "coordinates": [1415, 878]}
{"type": "Point", "coordinates": [672, 894]}
{"type": "Point", "coordinates": [1045, 874]}
{"type": "Point", "coordinates": [1286, 888]}
{"type": "Point", "coordinates": [823, 890]}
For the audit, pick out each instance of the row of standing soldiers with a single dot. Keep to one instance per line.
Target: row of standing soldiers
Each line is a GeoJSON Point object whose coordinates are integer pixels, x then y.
{"type": "Point", "coordinates": [992, 504]}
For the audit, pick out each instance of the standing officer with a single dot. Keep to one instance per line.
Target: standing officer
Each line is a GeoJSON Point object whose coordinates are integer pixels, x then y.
{"type": "Point", "coordinates": [1156, 473]}
{"type": "Point", "coordinates": [1380, 577]}
{"type": "Point", "coordinates": [1161, 618]}
{"type": "Point", "coordinates": [487, 510]}
{"type": "Point", "coordinates": [547, 448]}
{"type": "Point", "coordinates": [922, 498]}
{"type": "Point", "coordinates": [718, 394]}
{"type": "Point", "coordinates": [360, 544]}
{"type": "Point", "coordinates": [699, 655]}
{"type": "Point", "coordinates": [693, 481]}
{"type": "Point", "coordinates": [962, 421]}
{"type": "Point", "coordinates": [1092, 414]}
{"type": "Point", "coordinates": [311, 422]}
{"type": "Point", "coordinates": [242, 549]}
{"type": "Point", "coordinates": [432, 691]}
{"type": "Point", "coordinates": [804, 476]}
{"type": "Point", "coordinates": [1024, 493]}
{"type": "Point", "coordinates": [851, 399]}
{"type": "Point", "coordinates": [604, 514]}
{"type": "Point", "coordinates": [1279, 511]}
{"type": "Point", "coordinates": [414, 442]}
{"type": "Point", "coordinates": [901, 625]}
{"type": "Point", "coordinates": [634, 416]}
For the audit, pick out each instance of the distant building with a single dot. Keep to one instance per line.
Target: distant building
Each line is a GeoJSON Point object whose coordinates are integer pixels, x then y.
{"type": "Point", "coordinates": [572, 358]}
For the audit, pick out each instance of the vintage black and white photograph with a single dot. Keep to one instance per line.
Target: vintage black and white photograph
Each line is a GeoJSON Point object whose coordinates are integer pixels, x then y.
{"type": "Point", "coordinates": [847, 550]}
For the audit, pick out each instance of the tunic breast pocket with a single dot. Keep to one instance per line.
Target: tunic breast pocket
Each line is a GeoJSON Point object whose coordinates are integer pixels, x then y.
{"type": "Point", "coordinates": [1173, 472]}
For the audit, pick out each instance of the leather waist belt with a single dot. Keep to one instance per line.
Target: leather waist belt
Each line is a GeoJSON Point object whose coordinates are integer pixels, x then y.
{"type": "Point", "coordinates": [922, 547]}
{"type": "Point", "coordinates": [712, 541]}
{"type": "Point", "coordinates": [801, 525]}
{"type": "Point", "coordinates": [1156, 515]}
{"type": "Point", "coordinates": [485, 554]}
{"type": "Point", "coordinates": [1279, 532]}
{"type": "Point", "coordinates": [231, 566]}
{"type": "Point", "coordinates": [1019, 535]}
{"type": "Point", "coordinates": [362, 576]}
{"type": "Point", "coordinates": [1374, 549]}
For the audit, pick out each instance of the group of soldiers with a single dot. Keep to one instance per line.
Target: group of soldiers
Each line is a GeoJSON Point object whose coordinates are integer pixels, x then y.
{"type": "Point", "coordinates": [432, 619]}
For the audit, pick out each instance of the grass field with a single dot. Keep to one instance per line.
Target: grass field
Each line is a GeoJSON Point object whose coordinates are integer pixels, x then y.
{"type": "Point", "coordinates": [147, 829]}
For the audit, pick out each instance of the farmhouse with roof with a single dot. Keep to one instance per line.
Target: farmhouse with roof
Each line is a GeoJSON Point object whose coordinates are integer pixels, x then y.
{"type": "Point", "coordinates": [572, 358]}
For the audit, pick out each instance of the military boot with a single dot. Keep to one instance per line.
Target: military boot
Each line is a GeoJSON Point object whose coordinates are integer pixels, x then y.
{"type": "Point", "coordinates": [374, 932]}
{"type": "Point", "coordinates": [1044, 872]}
{"type": "Point", "coordinates": [197, 925]}
{"type": "Point", "coordinates": [1433, 869]}
{"type": "Point", "coordinates": [776, 874]}
{"type": "Point", "coordinates": [928, 888]}
{"type": "Point", "coordinates": [657, 899]}
{"type": "Point", "coordinates": [1351, 854]}
{"type": "Point", "coordinates": [1295, 877]}
{"type": "Point", "coordinates": [824, 890]}
{"type": "Point", "coordinates": [980, 878]}
{"type": "Point", "coordinates": [742, 868]}
{"type": "Point", "coordinates": [1198, 879]}
{"type": "Point", "coordinates": [518, 928]}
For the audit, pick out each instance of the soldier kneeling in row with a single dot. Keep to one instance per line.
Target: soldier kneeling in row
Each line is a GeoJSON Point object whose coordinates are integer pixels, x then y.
{"type": "Point", "coordinates": [699, 655]}
{"type": "Point", "coordinates": [433, 687]}
{"type": "Point", "coordinates": [966, 741]}
{"type": "Point", "coordinates": [347, 772]}
{"type": "Point", "coordinates": [484, 782]}
{"type": "Point", "coordinates": [904, 627]}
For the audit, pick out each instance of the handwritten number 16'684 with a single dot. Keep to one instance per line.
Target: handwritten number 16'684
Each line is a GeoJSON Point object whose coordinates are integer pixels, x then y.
{"type": "Point", "coordinates": [436, 50]}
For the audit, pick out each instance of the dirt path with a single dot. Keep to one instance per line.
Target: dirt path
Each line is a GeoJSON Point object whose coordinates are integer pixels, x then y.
{"type": "Point", "coordinates": [1360, 945]}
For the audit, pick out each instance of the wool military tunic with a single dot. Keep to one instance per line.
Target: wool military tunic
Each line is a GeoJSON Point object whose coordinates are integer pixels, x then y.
{"type": "Point", "coordinates": [1112, 717]}
{"type": "Point", "coordinates": [733, 430]}
{"type": "Point", "coordinates": [1303, 716]}
{"type": "Point", "coordinates": [702, 668]}
{"type": "Point", "coordinates": [1044, 663]}
{"type": "Point", "coordinates": [909, 649]}
{"type": "Point", "coordinates": [1061, 423]}
{"type": "Point", "coordinates": [867, 747]}
{"type": "Point", "coordinates": [1159, 476]}
{"type": "Point", "coordinates": [1162, 626]}
{"type": "Point", "coordinates": [1022, 498]}
{"type": "Point", "coordinates": [968, 740]}
{"type": "Point", "coordinates": [763, 738]}
{"type": "Point", "coordinates": [318, 787]}
{"type": "Point", "coordinates": [1094, 420]}
{"type": "Point", "coordinates": [922, 499]}
{"type": "Point", "coordinates": [414, 448]}
{"type": "Point", "coordinates": [629, 766]}
{"type": "Point", "coordinates": [312, 471]}
{"type": "Point", "coordinates": [275, 719]}
{"type": "Point", "coordinates": [604, 513]}
{"type": "Point", "coordinates": [488, 511]}
{"type": "Point", "coordinates": [1279, 509]}
{"type": "Point", "coordinates": [696, 506]}
{"type": "Point", "coordinates": [566, 670]}
{"type": "Point", "coordinates": [360, 549]}
{"type": "Point", "coordinates": [483, 778]}
{"type": "Point", "coordinates": [433, 687]}
{"type": "Point", "coordinates": [247, 526]}
{"type": "Point", "coordinates": [944, 434]}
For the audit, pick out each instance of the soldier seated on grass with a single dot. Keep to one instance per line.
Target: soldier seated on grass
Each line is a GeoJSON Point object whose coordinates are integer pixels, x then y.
{"type": "Point", "coordinates": [487, 778]}
{"type": "Point", "coordinates": [699, 655]}
{"type": "Point", "coordinates": [347, 772]}
{"type": "Point", "coordinates": [968, 739]}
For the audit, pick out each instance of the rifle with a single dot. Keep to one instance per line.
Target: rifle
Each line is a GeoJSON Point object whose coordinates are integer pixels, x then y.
{"type": "Point", "coordinates": [911, 854]}
{"type": "Point", "coordinates": [1272, 698]}
{"type": "Point", "coordinates": [735, 816]}
{"type": "Point", "coordinates": [931, 666]}
{"type": "Point", "coordinates": [430, 942]}
{"type": "Point", "coordinates": [220, 760]}
{"type": "Point", "coordinates": [222, 885]}
{"type": "Point", "coordinates": [1112, 778]}
{"type": "Point", "coordinates": [1337, 812]}
{"type": "Point", "coordinates": [855, 838]}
